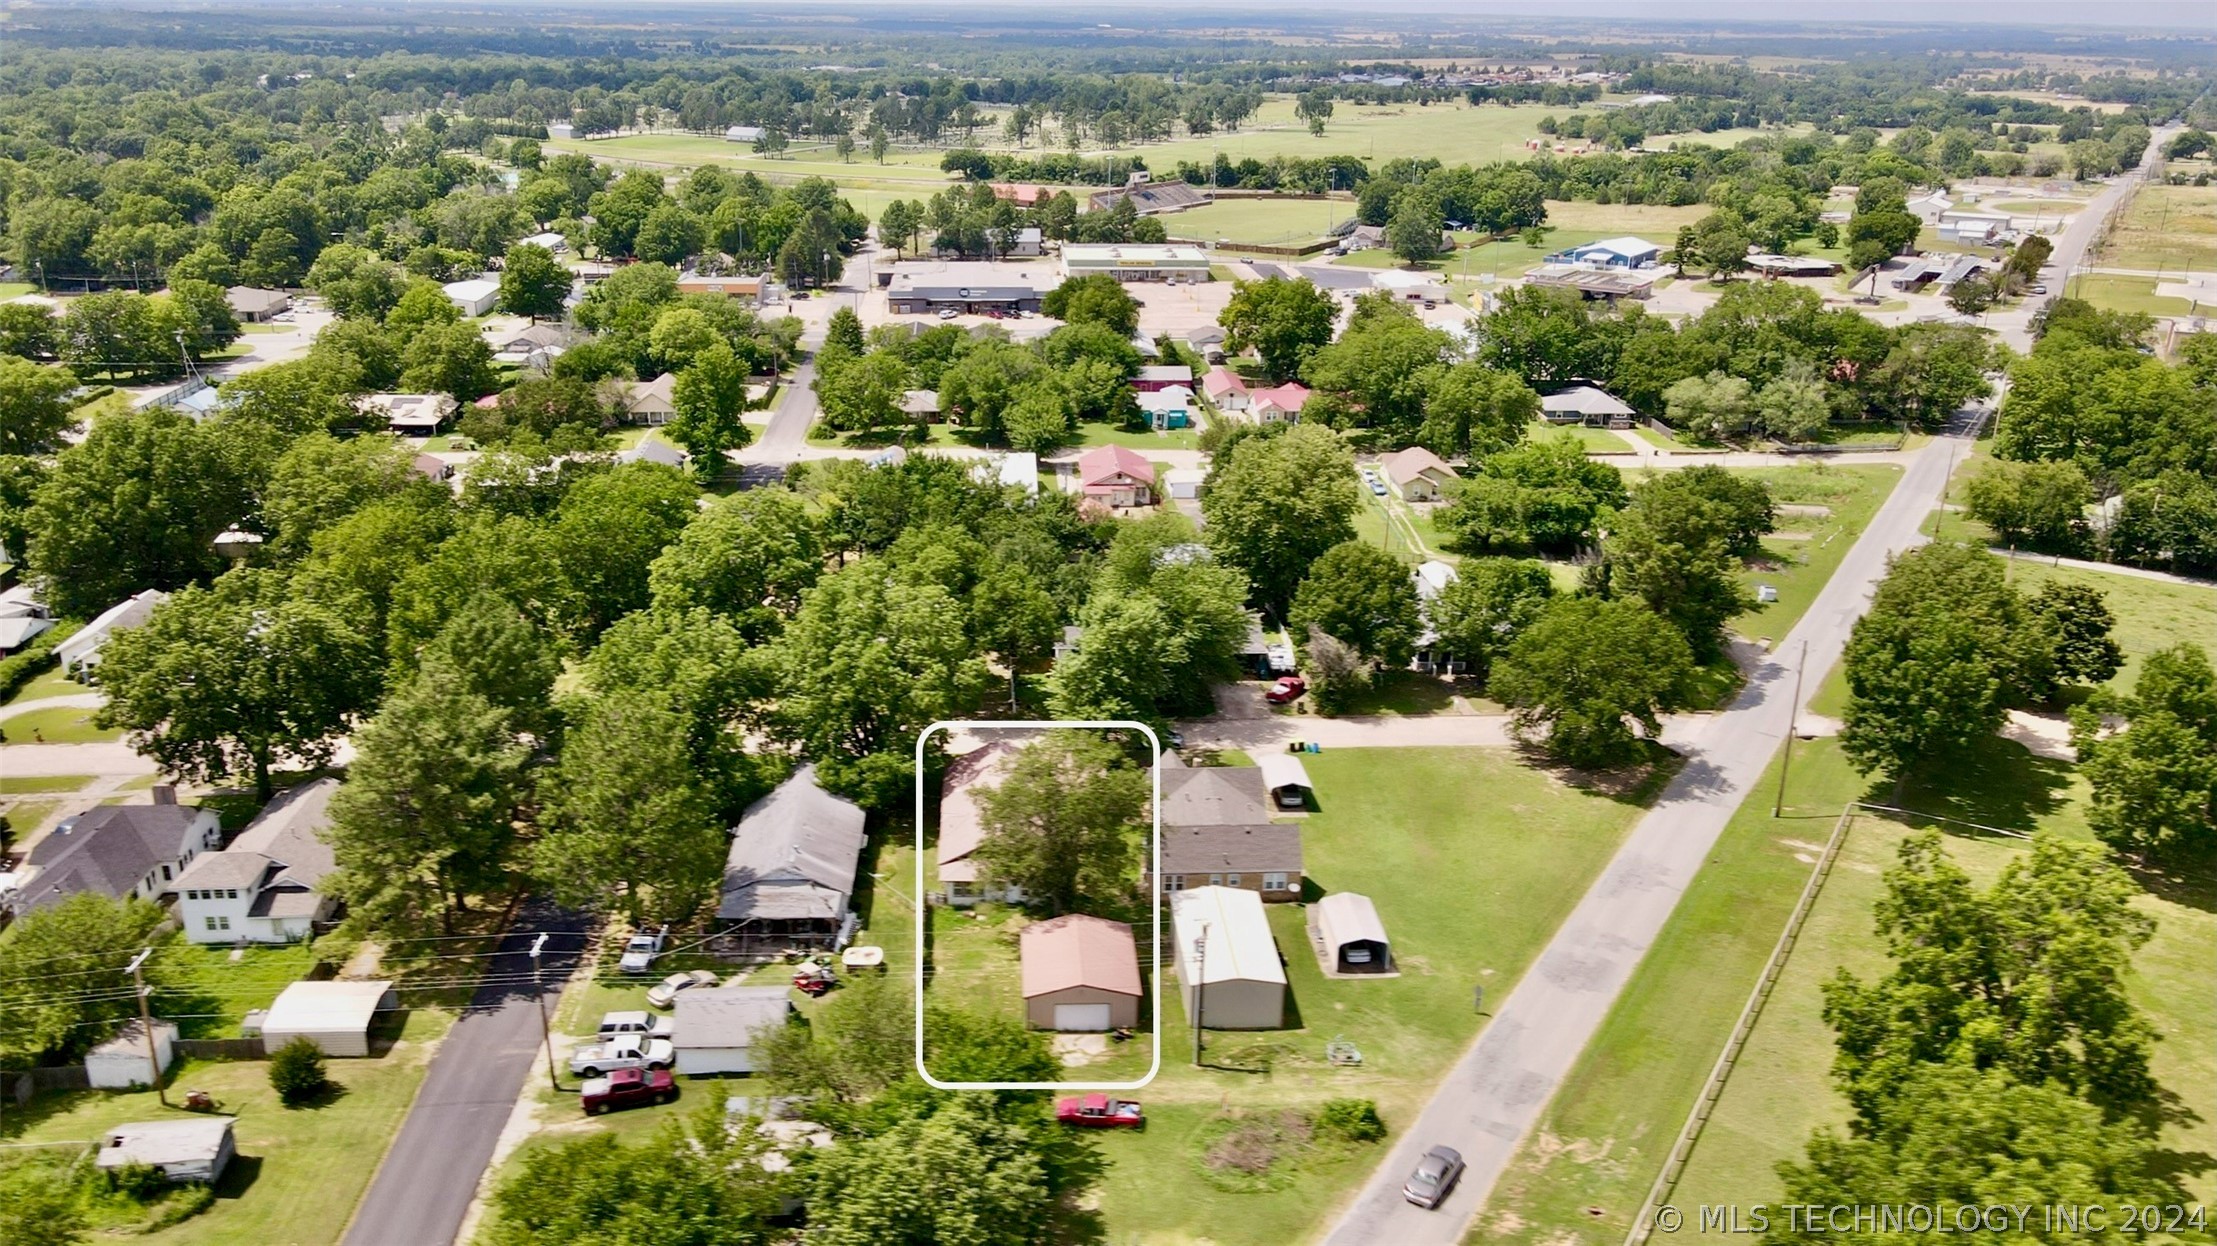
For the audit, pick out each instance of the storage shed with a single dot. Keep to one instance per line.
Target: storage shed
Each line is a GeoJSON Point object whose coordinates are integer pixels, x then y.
{"type": "Point", "coordinates": [1286, 778]}
{"type": "Point", "coordinates": [335, 1016]}
{"type": "Point", "coordinates": [1080, 973]}
{"type": "Point", "coordinates": [1354, 940]}
{"type": "Point", "coordinates": [121, 1063]}
{"type": "Point", "coordinates": [195, 1149]}
{"type": "Point", "coordinates": [1229, 972]}
{"type": "Point", "coordinates": [717, 1026]}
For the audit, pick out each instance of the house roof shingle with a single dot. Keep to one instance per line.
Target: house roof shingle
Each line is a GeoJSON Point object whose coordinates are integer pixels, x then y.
{"type": "Point", "coordinates": [800, 840]}
{"type": "Point", "coordinates": [1268, 847]}
{"type": "Point", "coordinates": [1404, 466]}
{"type": "Point", "coordinates": [1214, 796]}
{"type": "Point", "coordinates": [107, 849]}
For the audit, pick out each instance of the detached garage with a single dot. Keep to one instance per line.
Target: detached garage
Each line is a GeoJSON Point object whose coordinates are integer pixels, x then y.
{"type": "Point", "coordinates": [717, 1026]}
{"type": "Point", "coordinates": [1345, 924]}
{"type": "Point", "coordinates": [1080, 973]}
{"type": "Point", "coordinates": [335, 1016]}
{"type": "Point", "coordinates": [1229, 973]}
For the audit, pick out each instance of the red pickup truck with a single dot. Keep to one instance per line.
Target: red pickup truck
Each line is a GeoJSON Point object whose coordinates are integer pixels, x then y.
{"type": "Point", "coordinates": [623, 1088]}
{"type": "Point", "coordinates": [1098, 1111]}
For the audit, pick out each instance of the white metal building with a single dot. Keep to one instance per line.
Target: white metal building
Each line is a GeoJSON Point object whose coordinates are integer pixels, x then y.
{"type": "Point", "coordinates": [717, 1026]}
{"type": "Point", "coordinates": [1229, 971]}
{"type": "Point", "coordinates": [121, 1062]}
{"type": "Point", "coordinates": [195, 1148]}
{"type": "Point", "coordinates": [475, 296]}
{"type": "Point", "coordinates": [335, 1016]}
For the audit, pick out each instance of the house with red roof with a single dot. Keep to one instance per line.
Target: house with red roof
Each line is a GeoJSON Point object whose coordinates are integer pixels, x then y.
{"type": "Point", "coordinates": [1280, 403]}
{"type": "Point", "coordinates": [1225, 389]}
{"type": "Point", "coordinates": [1116, 476]}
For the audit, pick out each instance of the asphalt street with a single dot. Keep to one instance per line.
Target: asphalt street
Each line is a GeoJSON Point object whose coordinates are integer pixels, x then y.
{"type": "Point", "coordinates": [428, 1178]}
{"type": "Point", "coordinates": [1495, 1093]}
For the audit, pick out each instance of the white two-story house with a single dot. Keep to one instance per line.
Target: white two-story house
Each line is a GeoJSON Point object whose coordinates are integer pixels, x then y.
{"type": "Point", "coordinates": [263, 888]}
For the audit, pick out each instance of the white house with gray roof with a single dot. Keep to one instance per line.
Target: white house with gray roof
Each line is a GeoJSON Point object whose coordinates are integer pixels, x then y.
{"type": "Point", "coordinates": [264, 887]}
{"type": "Point", "coordinates": [117, 851]}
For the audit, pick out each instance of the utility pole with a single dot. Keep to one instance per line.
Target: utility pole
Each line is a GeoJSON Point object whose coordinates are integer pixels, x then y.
{"type": "Point", "coordinates": [1200, 987]}
{"type": "Point", "coordinates": [1793, 724]}
{"type": "Point", "coordinates": [546, 1033]}
{"type": "Point", "coordinates": [146, 1023]}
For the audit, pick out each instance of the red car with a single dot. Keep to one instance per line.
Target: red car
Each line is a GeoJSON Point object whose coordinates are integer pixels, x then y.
{"type": "Point", "coordinates": [1287, 690]}
{"type": "Point", "coordinates": [624, 1088]}
{"type": "Point", "coordinates": [1098, 1111]}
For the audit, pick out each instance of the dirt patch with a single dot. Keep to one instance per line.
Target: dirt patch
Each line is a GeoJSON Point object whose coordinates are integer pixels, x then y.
{"type": "Point", "coordinates": [2043, 735]}
{"type": "Point", "coordinates": [1810, 726]}
{"type": "Point", "coordinates": [1804, 508]}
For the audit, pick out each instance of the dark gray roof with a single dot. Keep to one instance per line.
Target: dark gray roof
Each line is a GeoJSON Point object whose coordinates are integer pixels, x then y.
{"type": "Point", "coordinates": [107, 849]}
{"type": "Point", "coordinates": [1231, 849]}
{"type": "Point", "coordinates": [1214, 796]}
{"type": "Point", "coordinates": [793, 854]}
{"type": "Point", "coordinates": [290, 830]}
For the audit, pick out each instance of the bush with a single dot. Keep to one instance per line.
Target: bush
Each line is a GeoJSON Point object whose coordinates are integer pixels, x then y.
{"type": "Point", "coordinates": [34, 661]}
{"type": "Point", "coordinates": [1352, 1120]}
{"type": "Point", "coordinates": [137, 1180]}
{"type": "Point", "coordinates": [296, 1072]}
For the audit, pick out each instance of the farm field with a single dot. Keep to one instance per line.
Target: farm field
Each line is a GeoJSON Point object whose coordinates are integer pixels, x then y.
{"type": "Point", "coordinates": [1473, 861]}
{"type": "Point", "coordinates": [2166, 227]}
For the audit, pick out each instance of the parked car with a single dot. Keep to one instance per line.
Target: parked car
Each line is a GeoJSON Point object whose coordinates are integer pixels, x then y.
{"type": "Point", "coordinates": [640, 951]}
{"type": "Point", "coordinates": [1098, 1111]}
{"type": "Point", "coordinates": [2039, 289]}
{"type": "Point", "coordinates": [948, 313]}
{"type": "Point", "coordinates": [595, 1059]}
{"type": "Point", "coordinates": [1378, 486]}
{"type": "Point", "coordinates": [627, 1088]}
{"type": "Point", "coordinates": [1287, 690]}
{"type": "Point", "coordinates": [1435, 1176]}
{"type": "Point", "coordinates": [636, 1023]}
{"type": "Point", "coordinates": [663, 994]}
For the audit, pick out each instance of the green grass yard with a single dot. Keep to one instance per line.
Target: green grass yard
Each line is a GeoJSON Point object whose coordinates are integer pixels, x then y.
{"type": "Point", "coordinates": [1473, 861]}
{"type": "Point", "coordinates": [51, 684]}
{"type": "Point", "coordinates": [299, 1171]}
{"type": "Point", "coordinates": [21, 784]}
{"type": "Point", "coordinates": [1799, 569]}
{"type": "Point", "coordinates": [58, 725]}
{"type": "Point", "coordinates": [2166, 227]}
{"type": "Point", "coordinates": [2118, 292]}
{"type": "Point", "coordinates": [1265, 222]}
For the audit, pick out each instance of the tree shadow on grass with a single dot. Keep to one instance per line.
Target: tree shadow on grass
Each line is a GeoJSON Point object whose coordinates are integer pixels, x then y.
{"type": "Point", "coordinates": [1638, 784]}
{"type": "Point", "coordinates": [1997, 783]}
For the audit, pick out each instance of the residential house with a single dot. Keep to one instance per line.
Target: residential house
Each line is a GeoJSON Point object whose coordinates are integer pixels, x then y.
{"type": "Point", "coordinates": [1080, 973]}
{"type": "Point", "coordinates": [1262, 857]}
{"type": "Point", "coordinates": [432, 468]}
{"type": "Point", "coordinates": [1278, 404]}
{"type": "Point", "coordinates": [654, 450]}
{"type": "Point", "coordinates": [1173, 262]}
{"type": "Point", "coordinates": [1345, 926]}
{"type": "Point", "coordinates": [81, 652]}
{"type": "Point", "coordinates": [1588, 405]}
{"type": "Point", "coordinates": [790, 873]}
{"type": "Point", "coordinates": [719, 1027]}
{"type": "Point", "coordinates": [1226, 390]}
{"type": "Point", "coordinates": [1230, 975]}
{"type": "Point", "coordinates": [1022, 194]}
{"type": "Point", "coordinates": [642, 402]}
{"type": "Point", "coordinates": [1215, 796]}
{"type": "Point", "coordinates": [1930, 208]}
{"type": "Point", "coordinates": [1025, 244]}
{"type": "Point", "coordinates": [1116, 476]}
{"type": "Point", "coordinates": [1161, 376]}
{"type": "Point", "coordinates": [1207, 341]}
{"type": "Point", "coordinates": [184, 1149]}
{"type": "Point", "coordinates": [19, 630]}
{"type": "Point", "coordinates": [117, 851]}
{"type": "Point", "coordinates": [539, 346]}
{"type": "Point", "coordinates": [254, 306]}
{"type": "Point", "coordinates": [1419, 474]}
{"type": "Point", "coordinates": [334, 1015]}
{"type": "Point", "coordinates": [474, 296]}
{"type": "Point", "coordinates": [410, 415]}
{"type": "Point", "coordinates": [920, 405]}
{"type": "Point", "coordinates": [1167, 408]}
{"type": "Point", "coordinates": [1432, 578]}
{"type": "Point", "coordinates": [264, 887]}
{"type": "Point", "coordinates": [961, 828]}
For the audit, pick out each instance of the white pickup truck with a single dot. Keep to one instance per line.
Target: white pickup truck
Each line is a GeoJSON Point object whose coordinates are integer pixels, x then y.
{"type": "Point", "coordinates": [628, 1052]}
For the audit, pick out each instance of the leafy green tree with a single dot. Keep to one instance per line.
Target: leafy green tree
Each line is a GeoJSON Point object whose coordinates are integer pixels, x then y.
{"type": "Point", "coordinates": [448, 359]}
{"type": "Point", "coordinates": [697, 1180]}
{"type": "Point", "coordinates": [1017, 619]}
{"type": "Point", "coordinates": [355, 283]}
{"type": "Point", "coordinates": [533, 283]}
{"type": "Point", "coordinates": [1281, 319]}
{"type": "Point", "coordinates": [427, 816]}
{"type": "Point", "coordinates": [1582, 674]}
{"type": "Point", "coordinates": [1039, 416]}
{"type": "Point", "coordinates": [236, 678]}
{"type": "Point", "coordinates": [1721, 239]}
{"type": "Point", "coordinates": [1472, 409]}
{"type": "Point", "coordinates": [1315, 108]}
{"type": "Point", "coordinates": [748, 557]}
{"type": "Point", "coordinates": [2076, 621]}
{"type": "Point", "coordinates": [422, 304]}
{"type": "Point", "coordinates": [297, 1074]}
{"type": "Point", "coordinates": [606, 533]}
{"type": "Point", "coordinates": [866, 664]}
{"type": "Point", "coordinates": [1795, 406]}
{"type": "Point", "coordinates": [1413, 233]}
{"type": "Point", "coordinates": [1096, 298]}
{"type": "Point", "coordinates": [1973, 295]}
{"type": "Point", "coordinates": [354, 356]}
{"type": "Point", "coordinates": [37, 1209]}
{"type": "Point", "coordinates": [562, 413]}
{"type": "Point", "coordinates": [1487, 606]}
{"type": "Point", "coordinates": [202, 313]}
{"type": "Point", "coordinates": [865, 394]}
{"type": "Point", "coordinates": [2155, 783]}
{"type": "Point", "coordinates": [958, 1174]}
{"type": "Point", "coordinates": [1673, 549]}
{"type": "Point", "coordinates": [2028, 975]}
{"type": "Point", "coordinates": [1879, 233]}
{"type": "Point", "coordinates": [899, 223]}
{"type": "Point", "coordinates": [669, 235]}
{"type": "Point", "coordinates": [1933, 370]}
{"type": "Point", "coordinates": [981, 385]}
{"type": "Point", "coordinates": [488, 647]}
{"type": "Point", "coordinates": [298, 396]}
{"type": "Point", "coordinates": [1711, 408]}
{"type": "Point", "coordinates": [1384, 365]}
{"type": "Point", "coordinates": [320, 480]}
{"type": "Point", "coordinates": [93, 937]}
{"type": "Point", "coordinates": [28, 331]}
{"type": "Point", "coordinates": [34, 405]}
{"type": "Point", "coordinates": [861, 1040]}
{"type": "Point", "coordinates": [1066, 822]}
{"type": "Point", "coordinates": [1275, 504]}
{"type": "Point", "coordinates": [700, 665]}
{"type": "Point", "coordinates": [844, 330]}
{"type": "Point", "coordinates": [626, 827]}
{"type": "Point", "coordinates": [709, 397]}
{"type": "Point", "coordinates": [1363, 597]}
{"type": "Point", "coordinates": [1543, 494]}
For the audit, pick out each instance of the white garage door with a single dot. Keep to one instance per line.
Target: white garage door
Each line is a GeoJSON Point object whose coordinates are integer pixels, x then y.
{"type": "Point", "coordinates": [1081, 1016]}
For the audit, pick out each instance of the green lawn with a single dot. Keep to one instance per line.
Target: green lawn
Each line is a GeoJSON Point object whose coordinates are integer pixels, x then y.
{"type": "Point", "coordinates": [974, 962]}
{"type": "Point", "coordinates": [16, 289]}
{"type": "Point", "coordinates": [299, 1172]}
{"type": "Point", "coordinates": [1265, 222]}
{"type": "Point", "coordinates": [1473, 861]}
{"type": "Point", "coordinates": [2166, 227]}
{"type": "Point", "coordinates": [51, 684]}
{"type": "Point", "coordinates": [2117, 292]}
{"type": "Point", "coordinates": [17, 785]}
{"type": "Point", "coordinates": [216, 989]}
{"type": "Point", "coordinates": [58, 725]}
{"type": "Point", "coordinates": [2151, 614]}
{"type": "Point", "coordinates": [1798, 569]}
{"type": "Point", "coordinates": [1591, 440]}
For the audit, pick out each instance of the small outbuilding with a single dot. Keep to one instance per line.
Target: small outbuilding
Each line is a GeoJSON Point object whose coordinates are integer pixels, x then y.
{"type": "Point", "coordinates": [473, 297]}
{"type": "Point", "coordinates": [1346, 925]}
{"type": "Point", "coordinates": [1286, 779]}
{"type": "Point", "coordinates": [717, 1027]}
{"type": "Point", "coordinates": [1229, 971]}
{"type": "Point", "coordinates": [192, 1149]}
{"type": "Point", "coordinates": [1080, 973]}
{"type": "Point", "coordinates": [335, 1016]}
{"type": "Point", "coordinates": [121, 1062]}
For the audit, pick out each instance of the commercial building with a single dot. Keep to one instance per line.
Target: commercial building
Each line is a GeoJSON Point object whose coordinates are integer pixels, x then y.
{"type": "Point", "coordinates": [1176, 263]}
{"type": "Point", "coordinates": [966, 287]}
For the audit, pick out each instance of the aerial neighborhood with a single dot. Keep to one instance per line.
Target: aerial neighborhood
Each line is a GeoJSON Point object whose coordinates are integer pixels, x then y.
{"type": "Point", "coordinates": [887, 626]}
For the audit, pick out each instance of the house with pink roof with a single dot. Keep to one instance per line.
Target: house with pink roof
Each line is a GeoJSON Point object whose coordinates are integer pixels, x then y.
{"type": "Point", "coordinates": [1278, 403]}
{"type": "Point", "coordinates": [1225, 389]}
{"type": "Point", "coordinates": [1116, 476]}
{"type": "Point", "coordinates": [1080, 973]}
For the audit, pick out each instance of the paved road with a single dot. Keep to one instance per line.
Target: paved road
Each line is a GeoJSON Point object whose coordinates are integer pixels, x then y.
{"type": "Point", "coordinates": [1495, 1093]}
{"type": "Point", "coordinates": [424, 1187]}
{"type": "Point", "coordinates": [2069, 256]}
{"type": "Point", "coordinates": [785, 440]}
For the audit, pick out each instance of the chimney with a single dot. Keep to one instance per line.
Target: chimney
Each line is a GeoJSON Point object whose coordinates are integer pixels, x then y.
{"type": "Point", "coordinates": [165, 793]}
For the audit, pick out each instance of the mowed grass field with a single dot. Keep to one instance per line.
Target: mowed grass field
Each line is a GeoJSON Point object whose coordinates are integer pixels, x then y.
{"type": "Point", "coordinates": [2166, 227]}
{"type": "Point", "coordinates": [2120, 292]}
{"type": "Point", "coordinates": [1473, 861]}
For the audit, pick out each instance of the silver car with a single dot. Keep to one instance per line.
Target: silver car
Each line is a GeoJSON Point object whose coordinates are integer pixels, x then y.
{"type": "Point", "coordinates": [1435, 1176]}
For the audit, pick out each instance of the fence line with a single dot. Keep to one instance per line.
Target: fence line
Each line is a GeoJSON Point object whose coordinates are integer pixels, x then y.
{"type": "Point", "coordinates": [1674, 1164]}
